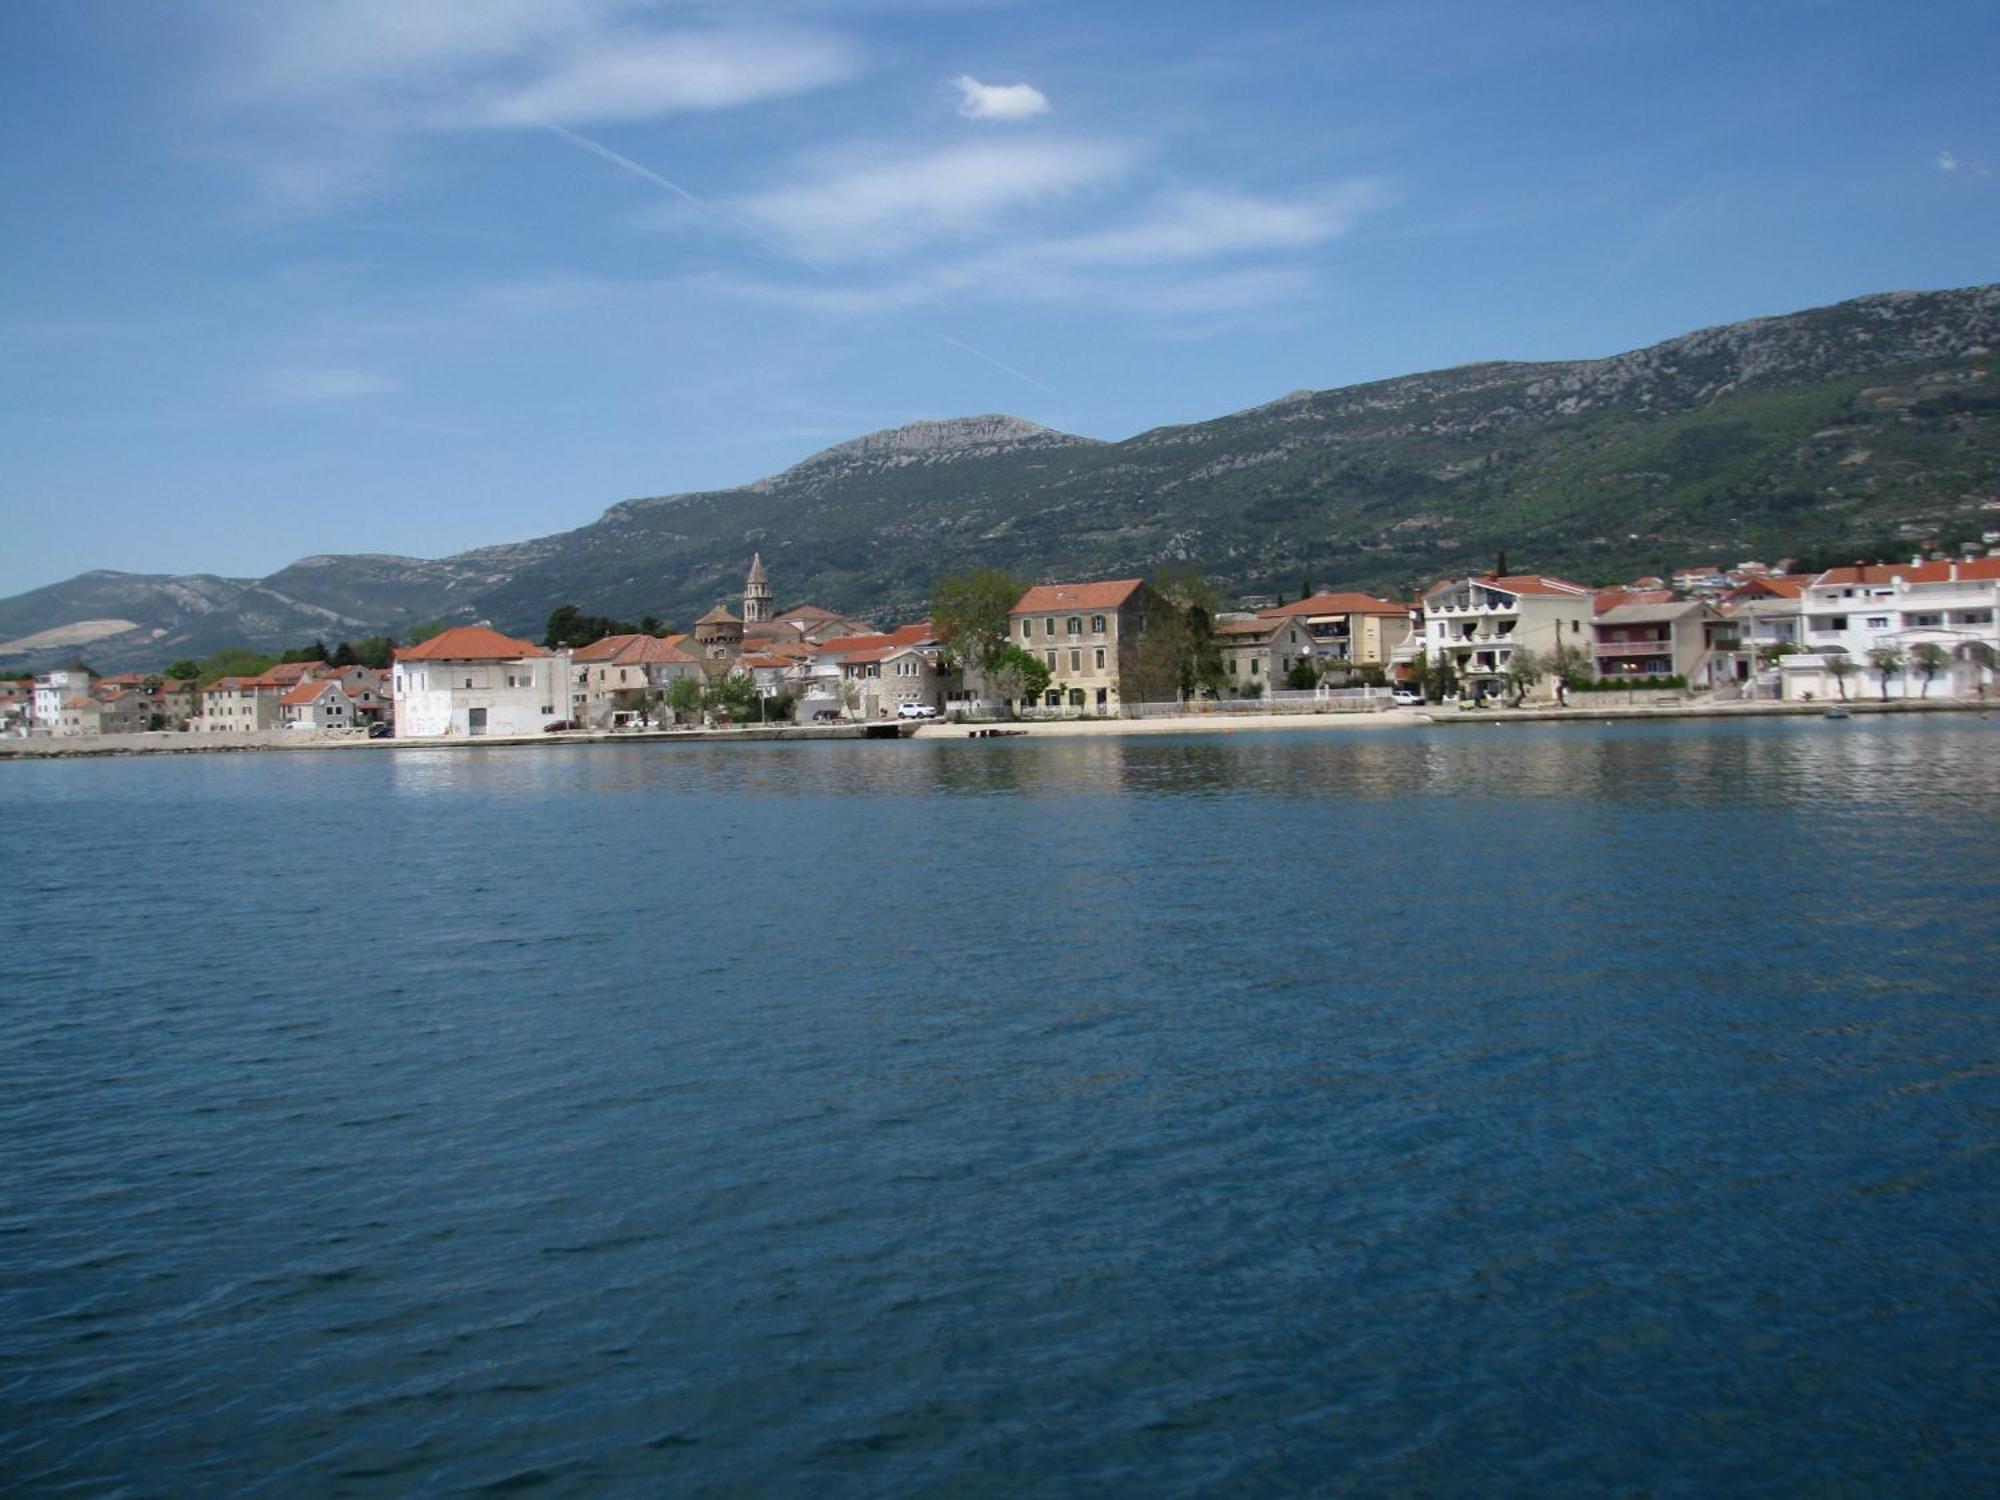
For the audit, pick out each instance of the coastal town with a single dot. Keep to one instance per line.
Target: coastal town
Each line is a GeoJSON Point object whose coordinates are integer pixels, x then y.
{"type": "Point", "coordinates": [1919, 629]}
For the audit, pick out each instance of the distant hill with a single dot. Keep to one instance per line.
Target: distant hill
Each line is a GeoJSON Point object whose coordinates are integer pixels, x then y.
{"type": "Point", "coordinates": [1863, 425]}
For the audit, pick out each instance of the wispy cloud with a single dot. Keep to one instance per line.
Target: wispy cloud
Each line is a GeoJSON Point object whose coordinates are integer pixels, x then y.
{"type": "Point", "coordinates": [318, 100]}
{"type": "Point", "coordinates": [873, 209]}
{"type": "Point", "coordinates": [314, 387]}
{"type": "Point", "coordinates": [999, 101]}
{"type": "Point", "coordinates": [1947, 161]}
{"type": "Point", "coordinates": [1951, 161]}
{"type": "Point", "coordinates": [1191, 225]}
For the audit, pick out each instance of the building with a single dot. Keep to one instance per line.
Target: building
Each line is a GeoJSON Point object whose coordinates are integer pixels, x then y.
{"type": "Point", "coordinates": [1952, 605]}
{"type": "Point", "coordinates": [872, 676]}
{"type": "Point", "coordinates": [472, 680]}
{"type": "Point", "coordinates": [1480, 622]}
{"type": "Point", "coordinates": [1641, 641]}
{"type": "Point", "coordinates": [756, 594]}
{"type": "Point", "coordinates": [242, 705]}
{"type": "Point", "coordinates": [1088, 636]}
{"type": "Point", "coordinates": [1348, 630]}
{"type": "Point", "coordinates": [53, 690]}
{"type": "Point", "coordinates": [1257, 653]}
{"type": "Point", "coordinates": [616, 676]}
{"type": "Point", "coordinates": [718, 641]}
{"type": "Point", "coordinates": [317, 703]}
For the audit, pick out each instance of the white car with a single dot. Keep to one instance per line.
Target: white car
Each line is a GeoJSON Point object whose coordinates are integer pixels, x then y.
{"type": "Point", "coordinates": [1407, 697]}
{"type": "Point", "coordinates": [915, 711]}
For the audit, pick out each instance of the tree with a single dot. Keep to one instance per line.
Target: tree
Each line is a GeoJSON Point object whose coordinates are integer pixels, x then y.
{"type": "Point", "coordinates": [970, 614]}
{"type": "Point", "coordinates": [569, 626]}
{"type": "Point", "coordinates": [1524, 669]}
{"type": "Point", "coordinates": [1569, 666]}
{"type": "Point", "coordinates": [343, 656]}
{"type": "Point", "coordinates": [1178, 654]}
{"type": "Point", "coordinates": [1019, 674]}
{"type": "Point", "coordinates": [683, 697]}
{"type": "Point", "coordinates": [1302, 677]}
{"type": "Point", "coordinates": [184, 670]}
{"type": "Point", "coordinates": [1983, 656]}
{"type": "Point", "coordinates": [1929, 658]}
{"type": "Point", "coordinates": [1840, 666]}
{"type": "Point", "coordinates": [735, 694]}
{"type": "Point", "coordinates": [315, 652]}
{"type": "Point", "coordinates": [1885, 662]}
{"type": "Point", "coordinates": [1443, 677]}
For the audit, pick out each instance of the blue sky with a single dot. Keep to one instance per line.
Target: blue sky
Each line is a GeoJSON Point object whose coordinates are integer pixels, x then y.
{"type": "Point", "coordinates": [420, 275]}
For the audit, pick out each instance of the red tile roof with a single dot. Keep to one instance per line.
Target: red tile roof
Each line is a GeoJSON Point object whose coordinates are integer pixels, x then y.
{"type": "Point", "coordinates": [1338, 604]}
{"type": "Point", "coordinates": [470, 643]}
{"type": "Point", "coordinates": [630, 651]}
{"type": "Point", "coordinates": [1050, 597]}
{"type": "Point", "coordinates": [1976, 568]}
{"type": "Point", "coordinates": [902, 635]}
{"type": "Point", "coordinates": [308, 692]}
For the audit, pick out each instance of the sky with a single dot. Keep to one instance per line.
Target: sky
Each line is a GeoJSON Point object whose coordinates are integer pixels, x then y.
{"type": "Point", "coordinates": [415, 276]}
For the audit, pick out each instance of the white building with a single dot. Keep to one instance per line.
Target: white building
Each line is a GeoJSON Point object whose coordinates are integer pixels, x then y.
{"type": "Point", "coordinates": [1853, 611]}
{"type": "Point", "coordinates": [1481, 622]}
{"type": "Point", "coordinates": [55, 689]}
{"type": "Point", "coordinates": [472, 680]}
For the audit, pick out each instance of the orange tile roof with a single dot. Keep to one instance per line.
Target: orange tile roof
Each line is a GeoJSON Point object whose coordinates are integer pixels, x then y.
{"type": "Point", "coordinates": [902, 635]}
{"type": "Point", "coordinates": [1974, 568]}
{"type": "Point", "coordinates": [630, 651]}
{"type": "Point", "coordinates": [308, 692]}
{"type": "Point", "coordinates": [1338, 604]}
{"type": "Point", "coordinates": [470, 643]}
{"type": "Point", "coordinates": [1060, 596]}
{"type": "Point", "coordinates": [1776, 585]}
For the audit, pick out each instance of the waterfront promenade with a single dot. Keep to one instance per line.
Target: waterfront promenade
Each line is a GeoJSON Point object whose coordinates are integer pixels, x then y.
{"type": "Point", "coordinates": [1435, 715]}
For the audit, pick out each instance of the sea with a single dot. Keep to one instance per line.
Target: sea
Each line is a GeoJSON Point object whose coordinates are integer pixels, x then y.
{"type": "Point", "coordinates": [1543, 1110]}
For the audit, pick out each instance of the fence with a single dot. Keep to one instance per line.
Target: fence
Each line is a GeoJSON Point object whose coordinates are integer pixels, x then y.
{"type": "Point", "coordinates": [1364, 700]}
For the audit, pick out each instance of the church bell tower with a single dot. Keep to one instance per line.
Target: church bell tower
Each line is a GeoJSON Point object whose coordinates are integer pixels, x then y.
{"type": "Point", "coordinates": [756, 593]}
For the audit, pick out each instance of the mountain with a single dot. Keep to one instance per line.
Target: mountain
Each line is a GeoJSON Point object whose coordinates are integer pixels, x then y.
{"type": "Point", "coordinates": [1867, 426]}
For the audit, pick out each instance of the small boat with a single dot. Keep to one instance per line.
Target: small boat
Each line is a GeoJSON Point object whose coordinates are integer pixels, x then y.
{"type": "Point", "coordinates": [1837, 712]}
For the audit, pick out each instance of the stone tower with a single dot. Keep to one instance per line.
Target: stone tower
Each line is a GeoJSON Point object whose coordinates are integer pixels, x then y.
{"type": "Point", "coordinates": [718, 635]}
{"type": "Point", "coordinates": [756, 593]}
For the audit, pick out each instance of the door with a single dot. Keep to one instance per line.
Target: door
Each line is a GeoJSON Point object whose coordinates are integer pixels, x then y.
{"type": "Point", "coordinates": [475, 721]}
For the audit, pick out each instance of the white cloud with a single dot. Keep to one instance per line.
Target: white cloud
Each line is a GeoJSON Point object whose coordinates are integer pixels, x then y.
{"type": "Point", "coordinates": [318, 103]}
{"type": "Point", "coordinates": [1195, 225]}
{"type": "Point", "coordinates": [999, 101]}
{"type": "Point", "coordinates": [313, 387]}
{"type": "Point", "coordinates": [1947, 161]}
{"type": "Point", "coordinates": [889, 206]}
{"type": "Point", "coordinates": [641, 77]}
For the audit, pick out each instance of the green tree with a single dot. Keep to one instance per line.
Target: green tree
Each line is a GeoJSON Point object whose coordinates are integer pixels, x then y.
{"type": "Point", "coordinates": [186, 669]}
{"type": "Point", "coordinates": [343, 656]}
{"type": "Point", "coordinates": [1930, 659]}
{"type": "Point", "coordinates": [684, 698]}
{"type": "Point", "coordinates": [1885, 662]}
{"type": "Point", "coordinates": [1840, 666]}
{"type": "Point", "coordinates": [1525, 668]}
{"type": "Point", "coordinates": [1984, 657]}
{"type": "Point", "coordinates": [1302, 677]}
{"type": "Point", "coordinates": [735, 694]}
{"type": "Point", "coordinates": [1019, 674]}
{"type": "Point", "coordinates": [969, 613]}
{"type": "Point", "coordinates": [1569, 667]}
{"type": "Point", "coordinates": [1443, 677]}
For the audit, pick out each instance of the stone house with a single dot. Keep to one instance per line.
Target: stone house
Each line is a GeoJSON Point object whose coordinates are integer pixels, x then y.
{"type": "Point", "coordinates": [1088, 636]}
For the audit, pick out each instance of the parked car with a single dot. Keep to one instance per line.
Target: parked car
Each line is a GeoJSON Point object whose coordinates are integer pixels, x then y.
{"type": "Point", "coordinates": [915, 711]}
{"type": "Point", "coordinates": [559, 726]}
{"type": "Point", "coordinates": [381, 731]}
{"type": "Point", "coordinates": [826, 715]}
{"type": "Point", "coordinates": [1407, 697]}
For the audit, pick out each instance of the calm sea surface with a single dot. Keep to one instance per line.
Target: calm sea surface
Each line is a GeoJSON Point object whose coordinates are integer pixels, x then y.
{"type": "Point", "coordinates": [1550, 1110]}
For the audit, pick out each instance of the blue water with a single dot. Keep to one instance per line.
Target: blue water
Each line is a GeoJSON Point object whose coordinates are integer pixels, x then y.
{"type": "Point", "coordinates": [1552, 1110]}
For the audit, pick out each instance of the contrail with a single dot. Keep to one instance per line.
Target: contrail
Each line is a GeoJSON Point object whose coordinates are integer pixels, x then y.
{"type": "Point", "coordinates": [637, 169]}
{"type": "Point", "coordinates": [1004, 369]}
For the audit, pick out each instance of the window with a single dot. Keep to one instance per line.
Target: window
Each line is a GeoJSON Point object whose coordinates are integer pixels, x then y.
{"type": "Point", "coordinates": [1076, 697]}
{"type": "Point", "coordinates": [1074, 625]}
{"type": "Point", "coordinates": [1926, 619]}
{"type": "Point", "coordinates": [1232, 666]}
{"type": "Point", "coordinates": [1049, 658]}
{"type": "Point", "coordinates": [1877, 622]}
{"type": "Point", "coordinates": [1103, 697]}
{"type": "Point", "coordinates": [1256, 666]}
{"type": "Point", "coordinates": [1836, 622]}
{"type": "Point", "coordinates": [1574, 627]}
{"type": "Point", "coordinates": [1075, 660]}
{"type": "Point", "coordinates": [1976, 617]}
{"type": "Point", "coordinates": [1053, 699]}
{"type": "Point", "coordinates": [1027, 630]}
{"type": "Point", "coordinates": [1100, 658]}
{"type": "Point", "coordinates": [1049, 626]}
{"type": "Point", "coordinates": [1097, 624]}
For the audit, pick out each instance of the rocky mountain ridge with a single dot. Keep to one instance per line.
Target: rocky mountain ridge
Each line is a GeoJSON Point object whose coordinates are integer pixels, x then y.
{"type": "Point", "coordinates": [1868, 420]}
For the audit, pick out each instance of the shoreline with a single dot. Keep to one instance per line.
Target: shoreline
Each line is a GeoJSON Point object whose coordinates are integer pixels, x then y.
{"type": "Point", "coordinates": [169, 743]}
